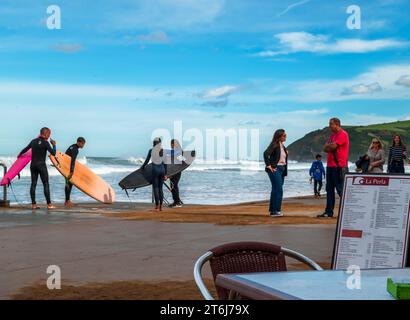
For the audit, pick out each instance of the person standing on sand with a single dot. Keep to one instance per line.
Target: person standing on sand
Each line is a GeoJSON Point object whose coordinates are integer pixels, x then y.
{"type": "Point", "coordinates": [276, 161]}
{"type": "Point", "coordinates": [397, 154]}
{"type": "Point", "coordinates": [159, 172]}
{"type": "Point", "coordinates": [176, 151]}
{"type": "Point", "coordinates": [72, 151]}
{"type": "Point", "coordinates": [376, 156]}
{"type": "Point", "coordinates": [38, 167]}
{"type": "Point", "coordinates": [317, 173]}
{"type": "Point", "coordinates": [337, 149]}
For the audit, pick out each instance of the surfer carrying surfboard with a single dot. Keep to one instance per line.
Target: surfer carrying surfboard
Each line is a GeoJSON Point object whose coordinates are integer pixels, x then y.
{"type": "Point", "coordinates": [175, 152]}
{"type": "Point", "coordinates": [159, 172]}
{"type": "Point", "coordinates": [72, 151]}
{"type": "Point", "coordinates": [38, 167]}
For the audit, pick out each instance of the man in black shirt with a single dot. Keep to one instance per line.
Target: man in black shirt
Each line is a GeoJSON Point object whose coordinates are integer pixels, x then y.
{"type": "Point", "coordinates": [72, 151]}
{"type": "Point", "coordinates": [38, 167]}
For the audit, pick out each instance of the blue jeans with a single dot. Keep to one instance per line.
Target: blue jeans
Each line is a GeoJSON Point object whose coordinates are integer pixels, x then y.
{"type": "Point", "coordinates": [277, 180]}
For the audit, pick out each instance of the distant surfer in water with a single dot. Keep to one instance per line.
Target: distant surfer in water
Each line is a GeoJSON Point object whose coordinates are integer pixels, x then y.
{"type": "Point", "coordinates": [38, 167]}
{"type": "Point", "coordinates": [176, 151]}
{"type": "Point", "coordinates": [72, 151]}
{"type": "Point", "coordinates": [159, 172]}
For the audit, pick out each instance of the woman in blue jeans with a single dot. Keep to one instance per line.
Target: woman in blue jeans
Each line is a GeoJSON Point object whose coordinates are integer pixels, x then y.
{"type": "Point", "coordinates": [159, 172]}
{"type": "Point", "coordinates": [276, 161]}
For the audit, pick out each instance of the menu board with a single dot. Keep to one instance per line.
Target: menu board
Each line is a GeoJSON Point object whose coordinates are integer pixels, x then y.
{"type": "Point", "coordinates": [373, 225]}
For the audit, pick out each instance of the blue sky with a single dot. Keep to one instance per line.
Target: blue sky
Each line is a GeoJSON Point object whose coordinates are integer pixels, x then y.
{"type": "Point", "coordinates": [118, 70]}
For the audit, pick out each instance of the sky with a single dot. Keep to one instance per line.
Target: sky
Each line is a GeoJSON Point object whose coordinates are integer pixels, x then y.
{"type": "Point", "coordinates": [118, 70]}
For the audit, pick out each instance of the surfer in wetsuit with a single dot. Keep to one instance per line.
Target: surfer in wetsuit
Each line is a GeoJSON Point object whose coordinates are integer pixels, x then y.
{"type": "Point", "coordinates": [38, 167]}
{"type": "Point", "coordinates": [176, 151]}
{"type": "Point", "coordinates": [72, 151]}
{"type": "Point", "coordinates": [159, 172]}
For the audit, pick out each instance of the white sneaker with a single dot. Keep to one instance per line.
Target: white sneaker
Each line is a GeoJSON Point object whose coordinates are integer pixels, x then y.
{"type": "Point", "coordinates": [277, 214]}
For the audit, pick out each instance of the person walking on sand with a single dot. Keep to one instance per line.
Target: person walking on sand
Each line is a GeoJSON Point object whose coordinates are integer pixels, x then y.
{"type": "Point", "coordinates": [276, 161]}
{"type": "Point", "coordinates": [72, 151]}
{"type": "Point", "coordinates": [317, 173]}
{"type": "Point", "coordinates": [159, 172]}
{"type": "Point", "coordinates": [337, 149]}
{"type": "Point", "coordinates": [376, 156]}
{"type": "Point", "coordinates": [397, 155]}
{"type": "Point", "coordinates": [176, 151]}
{"type": "Point", "coordinates": [38, 167]}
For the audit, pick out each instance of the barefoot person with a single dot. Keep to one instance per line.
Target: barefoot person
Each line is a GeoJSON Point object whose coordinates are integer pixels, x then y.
{"type": "Point", "coordinates": [337, 149]}
{"type": "Point", "coordinates": [38, 167]}
{"type": "Point", "coordinates": [397, 155]}
{"type": "Point", "coordinates": [317, 173]}
{"type": "Point", "coordinates": [72, 151]}
{"type": "Point", "coordinates": [276, 161]}
{"type": "Point", "coordinates": [159, 172]}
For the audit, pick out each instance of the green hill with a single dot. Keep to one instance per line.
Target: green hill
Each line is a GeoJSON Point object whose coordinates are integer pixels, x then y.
{"type": "Point", "coordinates": [305, 148]}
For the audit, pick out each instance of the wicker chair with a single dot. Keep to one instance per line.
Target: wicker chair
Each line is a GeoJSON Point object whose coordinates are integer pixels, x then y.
{"type": "Point", "coordinates": [244, 257]}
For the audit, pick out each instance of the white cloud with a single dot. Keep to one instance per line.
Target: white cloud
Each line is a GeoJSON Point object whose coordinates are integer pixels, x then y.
{"type": "Point", "coordinates": [157, 37]}
{"type": "Point", "coordinates": [220, 92]}
{"type": "Point", "coordinates": [294, 42]}
{"type": "Point", "coordinates": [403, 81]}
{"type": "Point", "coordinates": [327, 90]}
{"type": "Point", "coordinates": [362, 89]}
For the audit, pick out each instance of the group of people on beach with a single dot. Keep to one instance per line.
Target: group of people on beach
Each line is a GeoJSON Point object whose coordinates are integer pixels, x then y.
{"type": "Point", "coordinates": [276, 158]}
{"type": "Point", "coordinates": [337, 149]}
{"type": "Point", "coordinates": [39, 148]}
{"type": "Point", "coordinates": [159, 172]}
{"type": "Point", "coordinates": [38, 168]}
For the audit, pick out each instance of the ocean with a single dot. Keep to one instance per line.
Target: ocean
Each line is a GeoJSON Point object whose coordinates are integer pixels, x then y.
{"type": "Point", "coordinates": [205, 182]}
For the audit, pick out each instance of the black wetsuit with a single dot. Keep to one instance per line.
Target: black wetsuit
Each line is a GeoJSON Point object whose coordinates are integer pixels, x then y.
{"type": "Point", "coordinates": [38, 167]}
{"type": "Point", "coordinates": [175, 179]}
{"type": "Point", "coordinates": [159, 171]}
{"type": "Point", "coordinates": [72, 151]}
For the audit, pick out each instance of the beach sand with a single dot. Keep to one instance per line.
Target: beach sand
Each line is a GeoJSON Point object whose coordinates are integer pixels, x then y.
{"type": "Point", "coordinates": [126, 251]}
{"type": "Point", "coordinates": [300, 210]}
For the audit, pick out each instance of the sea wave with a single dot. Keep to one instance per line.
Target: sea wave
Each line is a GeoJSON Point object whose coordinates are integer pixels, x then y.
{"type": "Point", "coordinates": [108, 165]}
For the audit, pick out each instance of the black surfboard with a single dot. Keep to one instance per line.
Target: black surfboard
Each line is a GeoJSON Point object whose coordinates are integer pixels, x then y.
{"type": "Point", "coordinates": [143, 177]}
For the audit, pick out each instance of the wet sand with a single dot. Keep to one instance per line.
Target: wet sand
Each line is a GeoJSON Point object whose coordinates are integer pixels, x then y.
{"type": "Point", "coordinates": [129, 252]}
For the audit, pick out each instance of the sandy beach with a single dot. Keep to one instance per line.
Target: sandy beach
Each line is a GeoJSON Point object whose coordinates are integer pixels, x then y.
{"type": "Point", "coordinates": [127, 251]}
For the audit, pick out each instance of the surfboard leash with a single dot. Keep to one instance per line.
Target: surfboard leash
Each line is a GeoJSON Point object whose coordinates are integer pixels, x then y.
{"type": "Point", "coordinates": [14, 195]}
{"type": "Point", "coordinates": [126, 192]}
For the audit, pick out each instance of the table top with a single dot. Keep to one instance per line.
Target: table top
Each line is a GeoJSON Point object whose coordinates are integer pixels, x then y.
{"type": "Point", "coordinates": [312, 285]}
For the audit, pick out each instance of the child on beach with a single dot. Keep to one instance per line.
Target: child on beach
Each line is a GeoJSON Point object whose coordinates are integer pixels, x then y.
{"type": "Point", "coordinates": [317, 173]}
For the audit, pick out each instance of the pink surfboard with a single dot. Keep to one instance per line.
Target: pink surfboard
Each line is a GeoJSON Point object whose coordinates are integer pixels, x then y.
{"type": "Point", "coordinates": [16, 168]}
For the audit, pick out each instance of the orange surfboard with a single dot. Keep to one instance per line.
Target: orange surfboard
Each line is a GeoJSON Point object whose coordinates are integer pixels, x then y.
{"type": "Point", "coordinates": [84, 179]}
